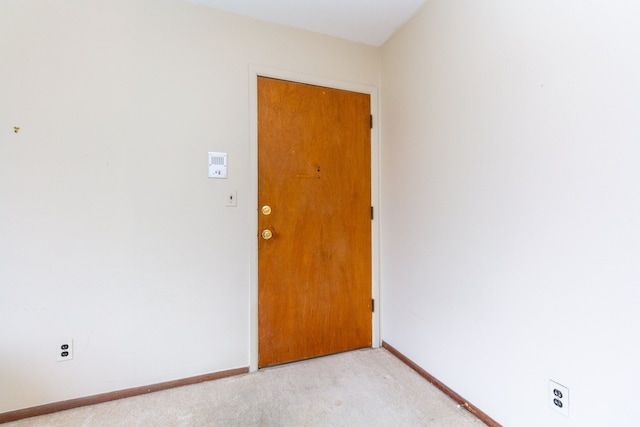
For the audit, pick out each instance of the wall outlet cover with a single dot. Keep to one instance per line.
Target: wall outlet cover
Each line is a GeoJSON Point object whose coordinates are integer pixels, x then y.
{"type": "Point", "coordinates": [64, 350]}
{"type": "Point", "coordinates": [559, 397]}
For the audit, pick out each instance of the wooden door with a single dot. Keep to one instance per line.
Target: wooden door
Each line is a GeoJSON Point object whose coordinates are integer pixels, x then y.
{"type": "Point", "coordinates": [314, 198]}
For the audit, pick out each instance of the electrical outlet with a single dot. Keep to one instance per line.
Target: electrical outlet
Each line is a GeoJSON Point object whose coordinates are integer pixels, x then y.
{"type": "Point", "coordinates": [559, 397]}
{"type": "Point", "coordinates": [65, 350]}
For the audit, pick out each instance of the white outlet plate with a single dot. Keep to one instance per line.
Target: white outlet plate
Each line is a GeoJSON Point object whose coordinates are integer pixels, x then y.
{"type": "Point", "coordinates": [559, 397]}
{"type": "Point", "coordinates": [65, 350]}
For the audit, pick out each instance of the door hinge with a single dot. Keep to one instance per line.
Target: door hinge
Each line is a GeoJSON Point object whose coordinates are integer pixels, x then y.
{"type": "Point", "coordinates": [372, 212]}
{"type": "Point", "coordinates": [371, 121]}
{"type": "Point", "coordinates": [373, 305]}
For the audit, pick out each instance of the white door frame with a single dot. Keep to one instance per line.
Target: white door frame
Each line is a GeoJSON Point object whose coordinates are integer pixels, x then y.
{"type": "Point", "coordinates": [254, 72]}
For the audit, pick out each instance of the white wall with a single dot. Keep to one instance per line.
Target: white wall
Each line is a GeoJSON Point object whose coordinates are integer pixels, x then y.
{"type": "Point", "coordinates": [110, 232]}
{"type": "Point", "coordinates": [511, 204]}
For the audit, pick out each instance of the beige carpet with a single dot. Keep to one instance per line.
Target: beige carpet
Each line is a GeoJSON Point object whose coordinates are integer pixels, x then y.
{"type": "Point", "coordinates": [361, 388]}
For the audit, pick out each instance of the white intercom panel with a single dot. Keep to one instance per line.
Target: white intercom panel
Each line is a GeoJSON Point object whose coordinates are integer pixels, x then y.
{"type": "Point", "coordinates": [217, 165]}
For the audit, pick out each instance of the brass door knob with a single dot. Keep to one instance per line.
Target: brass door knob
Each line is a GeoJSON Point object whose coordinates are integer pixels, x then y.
{"type": "Point", "coordinates": [267, 234]}
{"type": "Point", "coordinates": [266, 210]}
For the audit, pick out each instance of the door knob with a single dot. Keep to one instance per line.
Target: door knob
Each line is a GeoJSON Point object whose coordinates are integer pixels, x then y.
{"type": "Point", "coordinates": [266, 210]}
{"type": "Point", "coordinates": [267, 234]}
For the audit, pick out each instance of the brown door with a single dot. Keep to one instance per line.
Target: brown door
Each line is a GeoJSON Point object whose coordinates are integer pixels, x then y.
{"type": "Point", "coordinates": [314, 200]}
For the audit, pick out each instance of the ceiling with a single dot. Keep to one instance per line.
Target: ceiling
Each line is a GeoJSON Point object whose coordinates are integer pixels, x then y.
{"type": "Point", "coordinates": [365, 21]}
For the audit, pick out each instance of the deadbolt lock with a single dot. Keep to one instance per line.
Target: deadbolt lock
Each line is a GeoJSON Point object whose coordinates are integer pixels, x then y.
{"type": "Point", "coordinates": [266, 210]}
{"type": "Point", "coordinates": [267, 234]}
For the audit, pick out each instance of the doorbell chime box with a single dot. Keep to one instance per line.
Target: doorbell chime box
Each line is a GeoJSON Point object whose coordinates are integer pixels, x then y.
{"type": "Point", "coordinates": [217, 165]}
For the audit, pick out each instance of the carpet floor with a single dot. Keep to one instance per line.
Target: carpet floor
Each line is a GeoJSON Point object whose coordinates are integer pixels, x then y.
{"type": "Point", "coordinates": [368, 387]}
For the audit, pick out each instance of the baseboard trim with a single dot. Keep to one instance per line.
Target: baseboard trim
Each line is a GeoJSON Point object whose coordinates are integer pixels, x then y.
{"type": "Point", "coordinates": [114, 395]}
{"type": "Point", "coordinates": [442, 387]}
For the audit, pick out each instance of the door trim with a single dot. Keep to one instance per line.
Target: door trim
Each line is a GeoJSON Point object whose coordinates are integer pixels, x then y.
{"type": "Point", "coordinates": [372, 91]}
